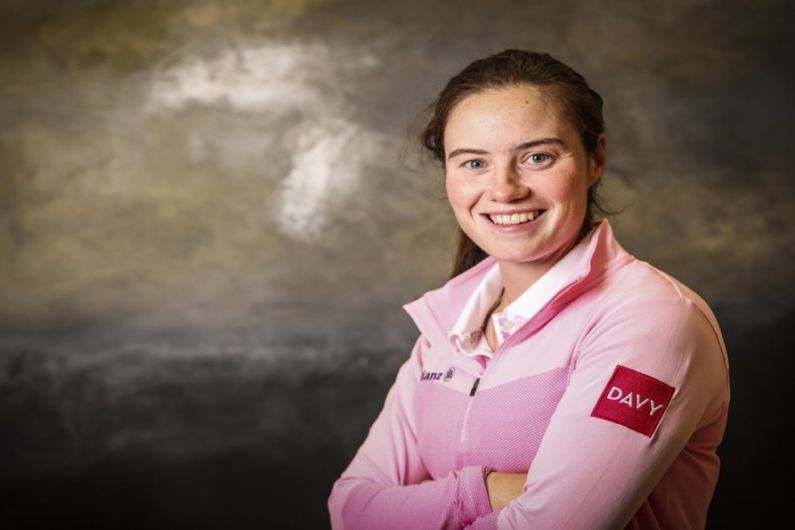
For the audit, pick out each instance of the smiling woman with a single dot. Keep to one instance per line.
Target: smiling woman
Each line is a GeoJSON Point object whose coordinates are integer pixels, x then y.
{"type": "Point", "coordinates": [521, 194]}
{"type": "Point", "coordinates": [557, 381]}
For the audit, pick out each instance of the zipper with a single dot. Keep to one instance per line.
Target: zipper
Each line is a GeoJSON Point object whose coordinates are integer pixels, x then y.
{"type": "Point", "coordinates": [463, 436]}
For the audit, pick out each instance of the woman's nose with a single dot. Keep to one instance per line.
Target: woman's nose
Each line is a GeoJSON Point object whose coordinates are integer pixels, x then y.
{"type": "Point", "coordinates": [507, 186]}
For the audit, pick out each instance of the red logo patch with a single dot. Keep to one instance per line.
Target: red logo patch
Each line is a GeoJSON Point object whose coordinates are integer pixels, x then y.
{"type": "Point", "coordinates": [634, 400]}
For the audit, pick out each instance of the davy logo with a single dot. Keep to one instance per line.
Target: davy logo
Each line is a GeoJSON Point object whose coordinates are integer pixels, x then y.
{"type": "Point", "coordinates": [616, 394]}
{"type": "Point", "coordinates": [634, 400]}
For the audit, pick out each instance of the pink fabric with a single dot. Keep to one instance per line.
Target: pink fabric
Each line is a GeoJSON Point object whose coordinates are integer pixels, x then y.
{"type": "Point", "coordinates": [422, 463]}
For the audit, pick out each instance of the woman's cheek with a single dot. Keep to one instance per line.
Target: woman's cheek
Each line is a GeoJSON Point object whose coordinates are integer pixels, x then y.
{"type": "Point", "coordinates": [567, 190]}
{"type": "Point", "coordinates": [460, 194]}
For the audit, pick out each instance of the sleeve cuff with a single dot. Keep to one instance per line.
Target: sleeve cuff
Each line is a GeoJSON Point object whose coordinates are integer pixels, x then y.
{"type": "Point", "coordinates": [473, 497]}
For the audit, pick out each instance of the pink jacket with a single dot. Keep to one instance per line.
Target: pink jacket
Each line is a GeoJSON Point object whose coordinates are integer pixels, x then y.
{"type": "Point", "coordinates": [613, 398]}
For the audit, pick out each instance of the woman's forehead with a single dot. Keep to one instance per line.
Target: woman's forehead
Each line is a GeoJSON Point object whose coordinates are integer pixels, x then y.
{"type": "Point", "coordinates": [500, 113]}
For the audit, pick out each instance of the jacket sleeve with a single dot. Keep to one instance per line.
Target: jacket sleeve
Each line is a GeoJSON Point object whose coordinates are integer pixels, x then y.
{"type": "Point", "coordinates": [593, 473]}
{"type": "Point", "coordinates": [387, 486]}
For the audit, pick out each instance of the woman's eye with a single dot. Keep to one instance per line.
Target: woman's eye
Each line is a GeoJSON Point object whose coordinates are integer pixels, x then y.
{"type": "Point", "coordinates": [475, 164]}
{"type": "Point", "coordinates": [538, 158]}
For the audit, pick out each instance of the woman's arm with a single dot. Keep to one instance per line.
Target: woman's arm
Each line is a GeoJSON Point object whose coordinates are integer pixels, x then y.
{"type": "Point", "coordinates": [386, 486]}
{"type": "Point", "coordinates": [591, 472]}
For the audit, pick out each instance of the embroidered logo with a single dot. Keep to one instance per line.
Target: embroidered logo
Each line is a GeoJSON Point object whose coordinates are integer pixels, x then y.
{"type": "Point", "coordinates": [431, 376]}
{"type": "Point", "coordinates": [634, 400]}
{"type": "Point", "coordinates": [449, 374]}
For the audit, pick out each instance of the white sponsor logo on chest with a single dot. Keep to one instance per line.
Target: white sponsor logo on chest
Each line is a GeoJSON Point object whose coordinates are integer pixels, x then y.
{"type": "Point", "coordinates": [633, 400]}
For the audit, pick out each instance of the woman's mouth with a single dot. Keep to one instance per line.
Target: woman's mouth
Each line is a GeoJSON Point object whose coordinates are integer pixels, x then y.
{"type": "Point", "coordinates": [515, 218]}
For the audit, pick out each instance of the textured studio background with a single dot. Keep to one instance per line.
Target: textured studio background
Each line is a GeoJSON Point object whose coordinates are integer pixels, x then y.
{"type": "Point", "coordinates": [212, 211]}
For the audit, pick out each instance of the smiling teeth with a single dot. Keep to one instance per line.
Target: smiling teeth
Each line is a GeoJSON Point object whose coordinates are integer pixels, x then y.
{"type": "Point", "coordinates": [514, 219]}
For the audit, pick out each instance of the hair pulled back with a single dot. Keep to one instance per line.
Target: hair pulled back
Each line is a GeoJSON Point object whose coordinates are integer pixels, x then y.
{"type": "Point", "coordinates": [578, 102]}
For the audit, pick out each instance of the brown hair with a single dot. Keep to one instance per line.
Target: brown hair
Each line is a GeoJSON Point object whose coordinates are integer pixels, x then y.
{"type": "Point", "coordinates": [580, 104]}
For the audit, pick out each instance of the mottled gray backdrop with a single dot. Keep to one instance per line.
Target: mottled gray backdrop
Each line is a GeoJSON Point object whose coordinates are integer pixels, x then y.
{"type": "Point", "coordinates": [212, 211]}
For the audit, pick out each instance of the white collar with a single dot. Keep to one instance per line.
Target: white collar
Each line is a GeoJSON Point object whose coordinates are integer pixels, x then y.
{"type": "Point", "coordinates": [467, 329]}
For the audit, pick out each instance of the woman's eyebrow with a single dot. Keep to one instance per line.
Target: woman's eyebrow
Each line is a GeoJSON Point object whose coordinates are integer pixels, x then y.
{"type": "Point", "coordinates": [540, 141]}
{"type": "Point", "coordinates": [524, 145]}
{"type": "Point", "coordinates": [457, 152]}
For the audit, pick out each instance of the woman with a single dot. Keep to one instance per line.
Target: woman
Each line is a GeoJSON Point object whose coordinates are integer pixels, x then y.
{"type": "Point", "coordinates": [557, 382]}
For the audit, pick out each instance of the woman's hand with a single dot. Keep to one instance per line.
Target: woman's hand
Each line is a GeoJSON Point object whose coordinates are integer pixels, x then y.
{"type": "Point", "coordinates": [503, 488]}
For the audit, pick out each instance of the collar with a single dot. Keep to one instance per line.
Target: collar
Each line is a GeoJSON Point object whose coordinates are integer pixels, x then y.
{"type": "Point", "coordinates": [467, 329]}
{"type": "Point", "coordinates": [437, 312]}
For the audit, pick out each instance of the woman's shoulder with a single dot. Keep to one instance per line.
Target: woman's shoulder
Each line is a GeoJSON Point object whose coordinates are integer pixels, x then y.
{"type": "Point", "coordinates": [641, 302]}
{"type": "Point", "coordinates": [640, 284]}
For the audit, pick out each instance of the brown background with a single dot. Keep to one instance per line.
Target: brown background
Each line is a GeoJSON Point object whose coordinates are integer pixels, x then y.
{"type": "Point", "coordinates": [211, 213]}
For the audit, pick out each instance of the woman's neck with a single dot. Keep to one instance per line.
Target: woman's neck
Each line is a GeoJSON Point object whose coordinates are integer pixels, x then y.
{"type": "Point", "coordinates": [517, 278]}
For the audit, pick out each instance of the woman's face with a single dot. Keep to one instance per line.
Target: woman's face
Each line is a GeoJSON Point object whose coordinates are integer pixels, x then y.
{"type": "Point", "coordinates": [517, 174]}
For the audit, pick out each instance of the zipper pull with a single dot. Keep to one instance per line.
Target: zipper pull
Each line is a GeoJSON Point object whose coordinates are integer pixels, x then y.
{"type": "Point", "coordinates": [474, 387]}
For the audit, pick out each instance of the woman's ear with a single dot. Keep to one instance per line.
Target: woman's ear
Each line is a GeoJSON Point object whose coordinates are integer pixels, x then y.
{"type": "Point", "coordinates": [598, 162]}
